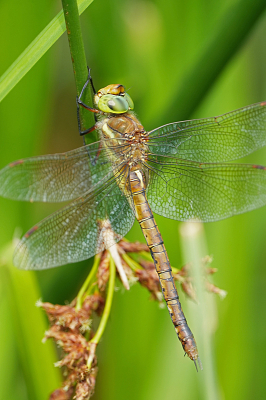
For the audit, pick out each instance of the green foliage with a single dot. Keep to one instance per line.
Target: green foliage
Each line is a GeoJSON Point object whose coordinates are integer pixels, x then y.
{"type": "Point", "coordinates": [38, 47]}
{"type": "Point", "coordinates": [28, 324]}
{"type": "Point", "coordinates": [149, 46]}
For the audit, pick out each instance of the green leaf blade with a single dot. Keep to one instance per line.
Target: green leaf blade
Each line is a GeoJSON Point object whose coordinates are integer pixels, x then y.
{"type": "Point", "coordinates": [38, 47]}
{"type": "Point", "coordinates": [29, 325]}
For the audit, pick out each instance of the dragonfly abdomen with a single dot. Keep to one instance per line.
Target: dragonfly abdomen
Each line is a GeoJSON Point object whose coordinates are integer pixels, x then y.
{"type": "Point", "coordinates": [157, 248]}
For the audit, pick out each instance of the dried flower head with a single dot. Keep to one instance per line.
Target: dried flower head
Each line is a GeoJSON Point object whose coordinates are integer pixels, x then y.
{"type": "Point", "coordinates": [67, 328]}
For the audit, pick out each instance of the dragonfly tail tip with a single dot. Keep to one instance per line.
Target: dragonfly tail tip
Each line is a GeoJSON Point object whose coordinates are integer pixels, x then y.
{"type": "Point", "coordinates": [199, 363]}
{"type": "Point", "coordinates": [195, 360]}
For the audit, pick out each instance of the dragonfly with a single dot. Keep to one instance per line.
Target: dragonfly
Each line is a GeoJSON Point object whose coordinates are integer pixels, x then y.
{"type": "Point", "coordinates": [179, 170]}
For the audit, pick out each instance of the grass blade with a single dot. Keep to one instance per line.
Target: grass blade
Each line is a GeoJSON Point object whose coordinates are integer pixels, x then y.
{"type": "Point", "coordinates": [203, 314]}
{"type": "Point", "coordinates": [36, 50]}
{"type": "Point", "coordinates": [29, 325]}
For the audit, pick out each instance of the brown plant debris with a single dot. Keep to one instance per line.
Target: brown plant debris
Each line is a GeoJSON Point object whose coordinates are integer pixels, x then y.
{"type": "Point", "coordinates": [71, 324]}
{"type": "Point", "coordinates": [67, 328]}
{"type": "Point", "coordinates": [184, 277]}
{"type": "Point", "coordinates": [103, 271]}
{"type": "Point", "coordinates": [135, 247]}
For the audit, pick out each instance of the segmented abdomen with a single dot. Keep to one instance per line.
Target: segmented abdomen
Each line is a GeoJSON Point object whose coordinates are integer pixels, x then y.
{"type": "Point", "coordinates": [157, 248]}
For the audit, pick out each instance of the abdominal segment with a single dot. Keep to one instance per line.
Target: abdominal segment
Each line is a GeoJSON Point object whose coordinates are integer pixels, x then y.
{"type": "Point", "coordinates": [157, 248]}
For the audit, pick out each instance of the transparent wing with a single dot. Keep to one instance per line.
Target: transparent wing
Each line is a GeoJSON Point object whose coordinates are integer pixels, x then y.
{"type": "Point", "coordinates": [78, 231]}
{"type": "Point", "coordinates": [56, 177]}
{"type": "Point", "coordinates": [184, 190]}
{"type": "Point", "coordinates": [223, 138]}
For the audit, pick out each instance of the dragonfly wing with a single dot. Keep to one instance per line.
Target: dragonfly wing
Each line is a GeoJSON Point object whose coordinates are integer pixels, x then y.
{"type": "Point", "coordinates": [57, 177]}
{"type": "Point", "coordinates": [184, 190]}
{"type": "Point", "coordinates": [77, 231]}
{"type": "Point", "coordinates": [223, 138]}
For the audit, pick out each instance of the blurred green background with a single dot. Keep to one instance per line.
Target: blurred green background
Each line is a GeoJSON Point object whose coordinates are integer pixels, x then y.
{"type": "Point", "coordinates": [149, 46]}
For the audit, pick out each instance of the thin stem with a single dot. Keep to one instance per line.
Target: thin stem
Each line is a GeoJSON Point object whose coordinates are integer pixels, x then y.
{"type": "Point", "coordinates": [96, 338]}
{"type": "Point", "coordinates": [193, 246]}
{"type": "Point", "coordinates": [116, 257]}
{"type": "Point", "coordinates": [36, 49]}
{"type": "Point", "coordinates": [134, 265]}
{"type": "Point", "coordinates": [146, 255]}
{"type": "Point", "coordinates": [87, 281]}
{"type": "Point", "coordinates": [79, 62]}
{"type": "Point", "coordinates": [131, 263]}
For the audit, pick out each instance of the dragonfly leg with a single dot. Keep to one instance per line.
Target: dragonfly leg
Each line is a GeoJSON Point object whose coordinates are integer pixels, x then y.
{"type": "Point", "coordinates": [81, 132]}
{"type": "Point", "coordinates": [91, 81]}
{"type": "Point", "coordinates": [94, 110]}
{"type": "Point", "coordinates": [80, 103]}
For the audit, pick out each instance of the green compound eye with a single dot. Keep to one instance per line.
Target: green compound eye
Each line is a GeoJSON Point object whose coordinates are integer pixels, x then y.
{"type": "Point", "coordinates": [118, 104]}
{"type": "Point", "coordinates": [111, 103]}
{"type": "Point", "coordinates": [114, 104]}
{"type": "Point", "coordinates": [129, 101]}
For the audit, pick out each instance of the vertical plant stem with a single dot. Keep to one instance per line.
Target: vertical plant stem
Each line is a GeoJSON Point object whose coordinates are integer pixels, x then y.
{"type": "Point", "coordinates": [28, 322]}
{"type": "Point", "coordinates": [203, 314]}
{"type": "Point", "coordinates": [79, 62]}
{"type": "Point", "coordinates": [88, 281]}
{"type": "Point", "coordinates": [109, 298]}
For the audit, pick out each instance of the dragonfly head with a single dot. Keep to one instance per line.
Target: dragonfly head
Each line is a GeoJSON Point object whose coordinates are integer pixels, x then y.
{"type": "Point", "coordinates": [113, 99]}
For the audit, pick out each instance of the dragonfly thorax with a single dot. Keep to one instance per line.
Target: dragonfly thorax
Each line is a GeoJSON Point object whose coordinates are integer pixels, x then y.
{"type": "Point", "coordinates": [125, 138]}
{"type": "Point", "coordinates": [113, 99]}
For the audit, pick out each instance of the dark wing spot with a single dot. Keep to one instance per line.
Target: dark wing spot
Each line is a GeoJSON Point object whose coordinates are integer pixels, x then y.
{"type": "Point", "coordinates": [13, 164]}
{"type": "Point", "coordinates": [258, 167]}
{"type": "Point", "coordinates": [31, 231]}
